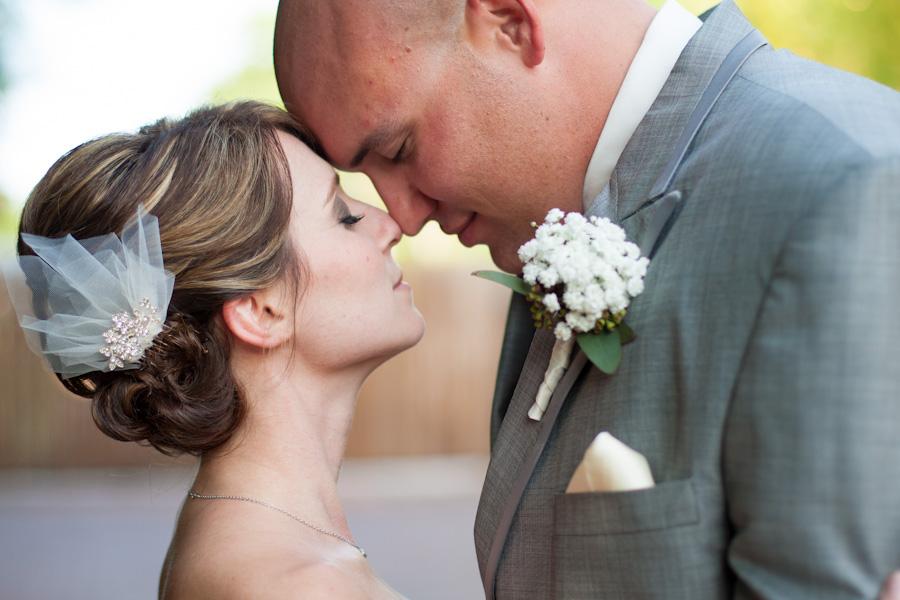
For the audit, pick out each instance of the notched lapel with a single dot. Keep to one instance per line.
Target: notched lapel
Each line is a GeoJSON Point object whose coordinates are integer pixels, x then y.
{"type": "Point", "coordinates": [648, 226]}
{"type": "Point", "coordinates": [516, 343]}
{"type": "Point", "coordinates": [515, 437]}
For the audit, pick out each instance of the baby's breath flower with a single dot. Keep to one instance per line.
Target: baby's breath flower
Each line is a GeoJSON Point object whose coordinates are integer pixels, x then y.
{"type": "Point", "coordinates": [635, 286]}
{"type": "Point", "coordinates": [548, 277]}
{"type": "Point", "coordinates": [551, 302]}
{"type": "Point", "coordinates": [555, 215]}
{"type": "Point", "coordinates": [584, 273]}
{"type": "Point", "coordinates": [562, 331]}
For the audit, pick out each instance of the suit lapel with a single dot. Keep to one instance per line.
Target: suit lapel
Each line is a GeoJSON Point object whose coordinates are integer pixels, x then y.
{"type": "Point", "coordinates": [516, 344]}
{"type": "Point", "coordinates": [513, 471]}
{"type": "Point", "coordinates": [647, 153]}
{"type": "Point", "coordinates": [648, 225]}
{"type": "Point", "coordinates": [516, 435]}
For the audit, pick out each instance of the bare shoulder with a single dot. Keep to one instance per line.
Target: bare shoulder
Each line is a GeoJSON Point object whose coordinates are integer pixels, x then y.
{"type": "Point", "coordinates": [277, 571]}
{"type": "Point", "coordinates": [219, 554]}
{"type": "Point", "coordinates": [262, 580]}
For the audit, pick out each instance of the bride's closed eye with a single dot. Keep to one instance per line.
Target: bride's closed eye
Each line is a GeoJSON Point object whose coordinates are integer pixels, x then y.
{"type": "Point", "coordinates": [344, 216]}
{"type": "Point", "coordinates": [351, 220]}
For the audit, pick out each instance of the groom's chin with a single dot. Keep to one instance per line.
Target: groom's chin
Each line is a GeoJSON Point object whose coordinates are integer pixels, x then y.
{"type": "Point", "coordinates": [506, 259]}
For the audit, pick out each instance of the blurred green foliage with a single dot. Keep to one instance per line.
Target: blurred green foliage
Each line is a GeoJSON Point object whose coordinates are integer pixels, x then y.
{"type": "Point", "coordinates": [860, 36]}
{"type": "Point", "coordinates": [9, 218]}
{"type": "Point", "coordinates": [9, 224]}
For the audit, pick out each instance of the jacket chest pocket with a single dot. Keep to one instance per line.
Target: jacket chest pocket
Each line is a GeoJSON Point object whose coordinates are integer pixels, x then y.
{"type": "Point", "coordinates": [668, 504]}
{"type": "Point", "coordinates": [636, 544]}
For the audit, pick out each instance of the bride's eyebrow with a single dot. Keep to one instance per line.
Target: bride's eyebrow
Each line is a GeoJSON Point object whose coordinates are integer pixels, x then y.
{"type": "Point", "coordinates": [332, 192]}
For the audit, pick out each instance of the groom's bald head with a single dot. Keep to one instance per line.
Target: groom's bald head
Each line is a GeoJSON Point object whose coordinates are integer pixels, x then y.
{"type": "Point", "coordinates": [344, 37]}
{"type": "Point", "coordinates": [421, 17]}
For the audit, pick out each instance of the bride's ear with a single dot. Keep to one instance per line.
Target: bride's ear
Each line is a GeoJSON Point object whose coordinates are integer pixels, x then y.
{"type": "Point", "coordinates": [258, 319]}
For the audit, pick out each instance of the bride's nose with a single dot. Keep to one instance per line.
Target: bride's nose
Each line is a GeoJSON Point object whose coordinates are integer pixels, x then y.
{"type": "Point", "coordinates": [388, 231]}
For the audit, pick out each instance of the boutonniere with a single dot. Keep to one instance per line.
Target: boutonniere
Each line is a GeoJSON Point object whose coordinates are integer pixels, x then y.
{"type": "Point", "coordinates": [580, 275]}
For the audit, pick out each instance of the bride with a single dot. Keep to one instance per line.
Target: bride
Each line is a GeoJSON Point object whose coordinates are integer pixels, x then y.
{"type": "Point", "coordinates": [277, 298]}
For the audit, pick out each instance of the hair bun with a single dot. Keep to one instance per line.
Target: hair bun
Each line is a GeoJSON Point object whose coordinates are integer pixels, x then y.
{"type": "Point", "coordinates": [182, 400]}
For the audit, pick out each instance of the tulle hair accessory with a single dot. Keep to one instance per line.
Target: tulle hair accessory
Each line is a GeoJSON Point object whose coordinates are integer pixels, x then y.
{"type": "Point", "coordinates": [94, 304]}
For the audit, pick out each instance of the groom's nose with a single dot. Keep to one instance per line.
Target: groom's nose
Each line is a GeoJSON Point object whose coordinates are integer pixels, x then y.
{"type": "Point", "coordinates": [409, 206]}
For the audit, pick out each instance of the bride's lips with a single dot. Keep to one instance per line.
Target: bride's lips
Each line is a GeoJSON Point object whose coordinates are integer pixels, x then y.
{"type": "Point", "coordinates": [399, 281]}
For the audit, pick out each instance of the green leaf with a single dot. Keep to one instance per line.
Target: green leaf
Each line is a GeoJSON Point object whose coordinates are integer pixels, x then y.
{"type": "Point", "coordinates": [514, 283]}
{"type": "Point", "coordinates": [625, 333]}
{"type": "Point", "coordinates": [603, 349]}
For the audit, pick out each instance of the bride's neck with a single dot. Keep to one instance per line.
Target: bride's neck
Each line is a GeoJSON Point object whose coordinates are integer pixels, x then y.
{"type": "Point", "coordinates": [290, 445]}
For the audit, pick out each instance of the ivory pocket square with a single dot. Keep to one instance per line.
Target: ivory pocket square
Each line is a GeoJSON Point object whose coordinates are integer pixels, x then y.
{"type": "Point", "coordinates": [610, 466]}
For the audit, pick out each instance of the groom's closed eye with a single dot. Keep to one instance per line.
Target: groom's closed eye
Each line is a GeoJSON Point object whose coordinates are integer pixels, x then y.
{"type": "Point", "coordinates": [401, 152]}
{"type": "Point", "coordinates": [381, 140]}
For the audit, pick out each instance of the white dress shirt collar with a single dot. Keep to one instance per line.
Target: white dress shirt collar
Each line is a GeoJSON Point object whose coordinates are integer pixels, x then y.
{"type": "Point", "coordinates": [669, 33]}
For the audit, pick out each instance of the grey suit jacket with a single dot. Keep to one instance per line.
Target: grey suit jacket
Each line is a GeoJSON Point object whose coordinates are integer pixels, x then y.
{"type": "Point", "coordinates": [764, 385]}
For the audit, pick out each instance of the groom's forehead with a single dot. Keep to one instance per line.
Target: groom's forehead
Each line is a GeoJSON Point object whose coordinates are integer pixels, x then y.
{"type": "Point", "coordinates": [333, 71]}
{"type": "Point", "coordinates": [353, 111]}
{"type": "Point", "coordinates": [344, 127]}
{"type": "Point", "coordinates": [352, 87]}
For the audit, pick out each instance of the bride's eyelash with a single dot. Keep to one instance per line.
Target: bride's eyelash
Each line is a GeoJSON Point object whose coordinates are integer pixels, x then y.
{"type": "Point", "coordinates": [351, 220]}
{"type": "Point", "coordinates": [343, 214]}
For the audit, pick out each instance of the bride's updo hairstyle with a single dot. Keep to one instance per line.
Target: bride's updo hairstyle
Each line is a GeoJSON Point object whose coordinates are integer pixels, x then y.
{"type": "Point", "coordinates": [219, 184]}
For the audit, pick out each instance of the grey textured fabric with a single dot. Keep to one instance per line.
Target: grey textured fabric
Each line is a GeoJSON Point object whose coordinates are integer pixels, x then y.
{"type": "Point", "coordinates": [764, 385]}
{"type": "Point", "coordinates": [516, 343]}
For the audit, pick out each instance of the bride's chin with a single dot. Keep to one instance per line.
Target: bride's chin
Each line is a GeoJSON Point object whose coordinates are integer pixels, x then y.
{"type": "Point", "coordinates": [420, 331]}
{"type": "Point", "coordinates": [406, 342]}
{"type": "Point", "coordinates": [377, 349]}
{"type": "Point", "coordinates": [415, 336]}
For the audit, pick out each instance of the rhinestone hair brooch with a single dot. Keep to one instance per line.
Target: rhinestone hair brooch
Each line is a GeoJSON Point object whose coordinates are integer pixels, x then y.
{"type": "Point", "coordinates": [92, 304]}
{"type": "Point", "coordinates": [129, 336]}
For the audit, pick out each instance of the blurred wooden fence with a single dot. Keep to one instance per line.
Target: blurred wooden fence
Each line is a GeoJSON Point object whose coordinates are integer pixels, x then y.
{"type": "Point", "coordinates": [432, 399]}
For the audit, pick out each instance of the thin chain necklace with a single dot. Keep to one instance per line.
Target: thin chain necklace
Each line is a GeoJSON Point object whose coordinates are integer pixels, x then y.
{"type": "Point", "coordinates": [279, 509]}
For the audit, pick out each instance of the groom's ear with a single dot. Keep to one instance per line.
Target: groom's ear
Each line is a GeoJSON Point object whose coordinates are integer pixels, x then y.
{"type": "Point", "coordinates": [259, 319]}
{"type": "Point", "coordinates": [512, 24]}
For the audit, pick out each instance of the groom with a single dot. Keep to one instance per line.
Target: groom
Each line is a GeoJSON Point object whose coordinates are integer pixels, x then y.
{"type": "Point", "coordinates": [764, 385]}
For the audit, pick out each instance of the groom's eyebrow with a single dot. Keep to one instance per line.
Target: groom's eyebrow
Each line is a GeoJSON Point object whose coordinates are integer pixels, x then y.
{"type": "Point", "coordinates": [376, 139]}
